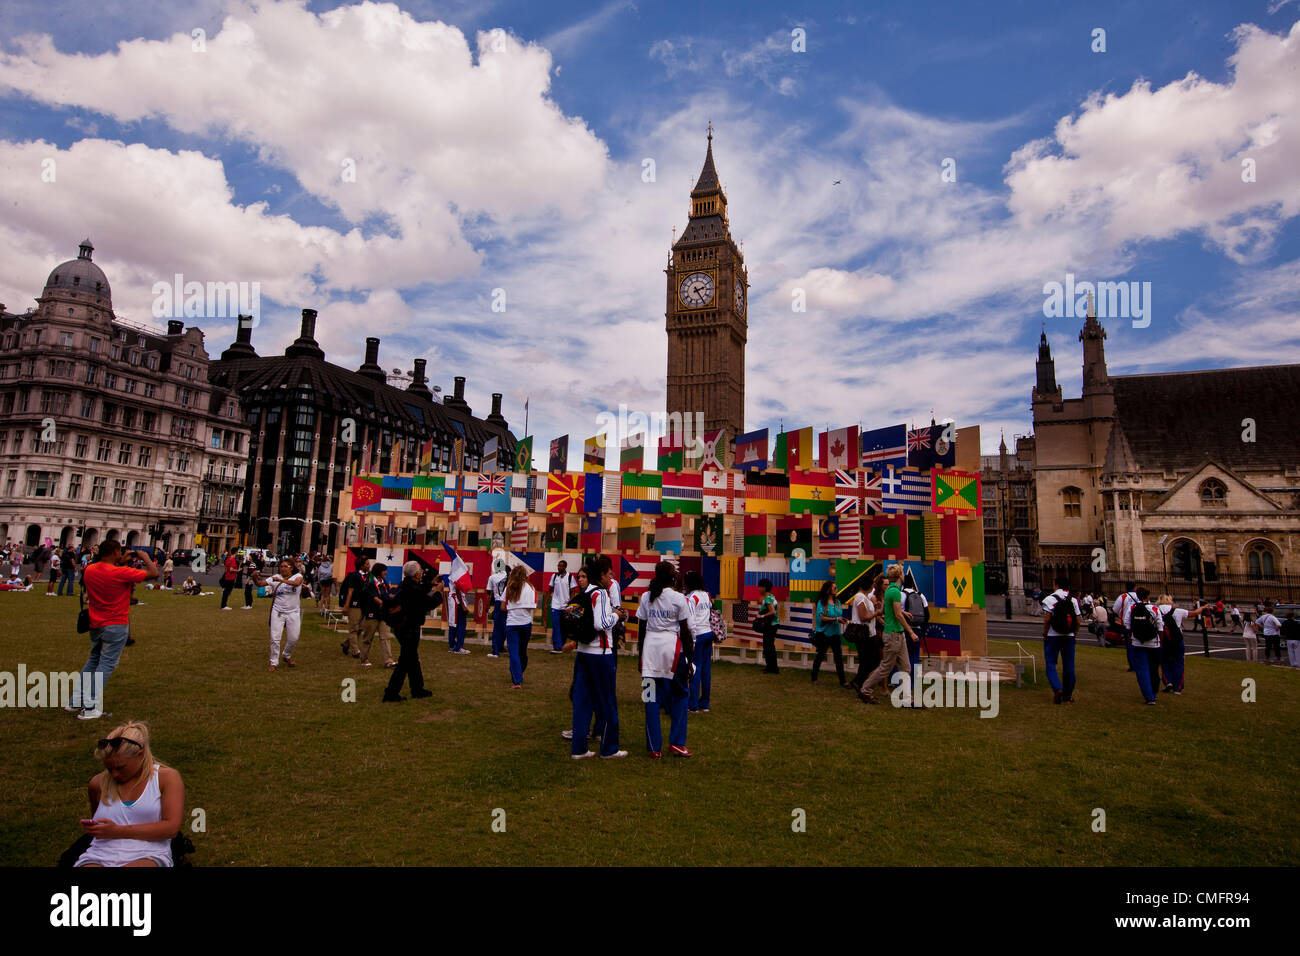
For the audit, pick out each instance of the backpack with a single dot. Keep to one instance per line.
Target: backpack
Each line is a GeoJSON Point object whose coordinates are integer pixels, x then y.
{"type": "Point", "coordinates": [577, 621]}
{"type": "Point", "coordinates": [1063, 620]}
{"type": "Point", "coordinates": [915, 608]}
{"type": "Point", "coordinates": [717, 626]}
{"type": "Point", "coordinates": [1143, 624]}
{"type": "Point", "coordinates": [1173, 633]}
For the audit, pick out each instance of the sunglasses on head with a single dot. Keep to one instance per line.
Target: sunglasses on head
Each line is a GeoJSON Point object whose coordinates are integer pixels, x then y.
{"type": "Point", "coordinates": [112, 743]}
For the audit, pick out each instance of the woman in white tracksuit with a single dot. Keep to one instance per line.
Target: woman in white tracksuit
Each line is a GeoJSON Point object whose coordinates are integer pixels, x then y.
{"type": "Point", "coordinates": [286, 611]}
{"type": "Point", "coordinates": [665, 660]}
{"type": "Point", "coordinates": [700, 605]}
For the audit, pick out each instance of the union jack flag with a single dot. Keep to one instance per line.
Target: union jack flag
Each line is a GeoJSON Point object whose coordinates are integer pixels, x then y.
{"type": "Point", "coordinates": [918, 439]}
{"type": "Point", "coordinates": [491, 484]}
{"type": "Point", "coordinates": [857, 492]}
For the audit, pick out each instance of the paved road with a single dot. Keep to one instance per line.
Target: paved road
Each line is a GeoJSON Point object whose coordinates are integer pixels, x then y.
{"type": "Point", "coordinates": [1223, 644]}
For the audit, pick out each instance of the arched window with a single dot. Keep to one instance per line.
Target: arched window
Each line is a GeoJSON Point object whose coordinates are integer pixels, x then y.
{"type": "Point", "coordinates": [1072, 498]}
{"type": "Point", "coordinates": [1260, 561]}
{"type": "Point", "coordinates": [1214, 493]}
{"type": "Point", "coordinates": [1183, 560]}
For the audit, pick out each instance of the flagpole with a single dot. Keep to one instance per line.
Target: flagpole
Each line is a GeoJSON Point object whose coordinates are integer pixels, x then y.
{"type": "Point", "coordinates": [525, 417]}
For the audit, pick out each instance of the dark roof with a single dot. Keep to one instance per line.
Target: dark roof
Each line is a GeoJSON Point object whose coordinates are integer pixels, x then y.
{"type": "Point", "coordinates": [1177, 419]}
{"type": "Point", "coordinates": [708, 180]}
{"type": "Point", "coordinates": [704, 228]}
{"type": "Point", "coordinates": [340, 388]}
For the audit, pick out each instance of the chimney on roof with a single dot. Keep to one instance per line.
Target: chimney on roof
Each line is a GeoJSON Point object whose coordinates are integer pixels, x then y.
{"type": "Point", "coordinates": [242, 347]}
{"type": "Point", "coordinates": [370, 368]}
{"type": "Point", "coordinates": [457, 398]}
{"type": "Point", "coordinates": [175, 326]}
{"type": "Point", "coordinates": [419, 383]}
{"type": "Point", "coordinates": [305, 345]}
{"type": "Point", "coordinates": [496, 418]}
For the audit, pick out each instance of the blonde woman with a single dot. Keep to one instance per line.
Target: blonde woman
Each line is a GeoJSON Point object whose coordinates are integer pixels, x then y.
{"type": "Point", "coordinates": [520, 601]}
{"type": "Point", "coordinates": [136, 804]}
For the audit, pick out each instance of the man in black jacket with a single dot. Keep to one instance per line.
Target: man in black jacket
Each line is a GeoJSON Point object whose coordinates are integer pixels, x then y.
{"type": "Point", "coordinates": [405, 613]}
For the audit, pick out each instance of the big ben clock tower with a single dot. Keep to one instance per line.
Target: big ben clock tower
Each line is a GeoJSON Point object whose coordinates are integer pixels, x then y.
{"type": "Point", "coordinates": [706, 313]}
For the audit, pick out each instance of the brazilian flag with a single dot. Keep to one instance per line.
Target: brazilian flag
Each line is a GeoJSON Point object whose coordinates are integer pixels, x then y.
{"type": "Point", "coordinates": [524, 454]}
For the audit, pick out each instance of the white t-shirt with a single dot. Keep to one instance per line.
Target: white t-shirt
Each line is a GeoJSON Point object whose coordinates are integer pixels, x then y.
{"type": "Point", "coordinates": [700, 605]}
{"type": "Point", "coordinates": [1269, 625]}
{"type": "Point", "coordinates": [1155, 613]}
{"type": "Point", "coordinates": [561, 588]}
{"type": "Point", "coordinates": [1099, 613]}
{"type": "Point", "coordinates": [497, 585]}
{"type": "Point", "coordinates": [1180, 614]}
{"type": "Point", "coordinates": [862, 608]}
{"type": "Point", "coordinates": [55, 563]}
{"type": "Point", "coordinates": [521, 611]}
{"type": "Point", "coordinates": [1049, 603]}
{"type": "Point", "coordinates": [660, 642]}
{"type": "Point", "coordinates": [284, 592]}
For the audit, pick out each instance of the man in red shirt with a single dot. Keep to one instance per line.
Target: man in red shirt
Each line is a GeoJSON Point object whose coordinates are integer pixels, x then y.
{"type": "Point", "coordinates": [228, 579]}
{"type": "Point", "coordinates": [108, 584]}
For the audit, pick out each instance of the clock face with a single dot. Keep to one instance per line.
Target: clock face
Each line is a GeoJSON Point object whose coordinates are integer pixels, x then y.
{"type": "Point", "coordinates": [696, 290]}
{"type": "Point", "coordinates": [740, 296]}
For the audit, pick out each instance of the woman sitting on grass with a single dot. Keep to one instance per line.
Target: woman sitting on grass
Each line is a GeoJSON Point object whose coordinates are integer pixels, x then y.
{"type": "Point", "coordinates": [191, 586]}
{"type": "Point", "coordinates": [136, 803]}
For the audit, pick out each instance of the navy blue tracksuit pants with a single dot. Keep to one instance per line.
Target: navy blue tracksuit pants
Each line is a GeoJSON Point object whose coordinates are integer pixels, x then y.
{"type": "Point", "coordinates": [665, 692]}
{"type": "Point", "coordinates": [593, 691]}
{"type": "Point", "coordinates": [1056, 645]}
{"type": "Point", "coordinates": [1145, 662]}
{"type": "Point", "coordinates": [498, 629]}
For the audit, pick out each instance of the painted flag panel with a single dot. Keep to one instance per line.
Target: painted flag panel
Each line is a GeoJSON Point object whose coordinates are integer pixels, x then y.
{"type": "Point", "coordinates": [461, 493]}
{"type": "Point", "coordinates": [708, 534]}
{"type": "Point", "coordinates": [839, 448]}
{"type": "Point", "coordinates": [960, 579]}
{"type": "Point", "coordinates": [611, 493]}
{"type": "Point", "coordinates": [397, 493]}
{"type": "Point", "coordinates": [366, 493]}
{"type": "Point", "coordinates": [631, 457]}
{"type": "Point", "coordinates": [940, 537]}
{"type": "Point", "coordinates": [776, 570]}
{"type": "Point", "coordinates": [943, 633]}
{"type": "Point", "coordinates": [635, 572]}
{"type": "Point", "coordinates": [537, 493]}
{"type": "Point", "coordinates": [885, 537]}
{"type": "Point", "coordinates": [857, 492]}
{"type": "Point", "coordinates": [955, 492]}
{"type": "Point", "coordinates": [683, 492]}
{"type": "Point", "coordinates": [809, 578]}
{"type": "Point", "coordinates": [751, 450]}
{"type": "Point", "coordinates": [709, 452]}
{"type": "Point", "coordinates": [921, 576]}
{"type": "Point", "coordinates": [670, 453]}
{"type": "Point", "coordinates": [593, 454]}
{"type": "Point", "coordinates": [756, 535]}
{"type": "Point", "coordinates": [792, 533]}
{"type": "Point", "coordinates": [427, 493]}
{"type": "Point", "coordinates": [724, 492]}
{"type": "Point", "coordinates": [629, 533]}
{"type": "Point", "coordinates": [904, 491]}
{"type": "Point", "coordinates": [494, 492]}
{"type": "Point", "coordinates": [795, 622]}
{"type": "Point", "coordinates": [884, 446]}
{"type": "Point", "coordinates": [521, 492]}
{"type": "Point", "coordinates": [978, 596]}
{"type": "Point", "coordinates": [767, 493]}
{"type": "Point", "coordinates": [668, 534]}
{"type": "Point", "coordinates": [799, 454]}
{"type": "Point", "coordinates": [553, 536]}
{"type": "Point", "coordinates": [839, 535]}
{"type": "Point", "coordinates": [812, 492]}
{"type": "Point", "coordinates": [589, 533]}
{"type": "Point", "coordinates": [519, 533]}
{"type": "Point", "coordinates": [642, 492]}
{"type": "Point", "coordinates": [731, 573]}
{"type": "Point", "coordinates": [524, 454]}
{"type": "Point", "coordinates": [848, 574]}
{"type": "Point", "coordinates": [490, 455]}
{"type": "Point", "coordinates": [927, 448]}
{"type": "Point", "coordinates": [564, 493]}
{"type": "Point", "coordinates": [559, 459]}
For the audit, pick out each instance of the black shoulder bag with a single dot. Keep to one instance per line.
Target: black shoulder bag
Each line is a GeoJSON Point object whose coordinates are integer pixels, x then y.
{"type": "Point", "coordinates": [83, 619]}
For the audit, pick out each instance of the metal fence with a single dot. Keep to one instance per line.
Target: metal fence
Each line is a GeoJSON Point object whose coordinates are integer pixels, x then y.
{"type": "Point", "coordinates": [1239, 589]}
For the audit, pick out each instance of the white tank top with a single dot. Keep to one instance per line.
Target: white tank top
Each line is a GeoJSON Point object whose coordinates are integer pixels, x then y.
{"type": "Point", "coordinates": [118, 852]}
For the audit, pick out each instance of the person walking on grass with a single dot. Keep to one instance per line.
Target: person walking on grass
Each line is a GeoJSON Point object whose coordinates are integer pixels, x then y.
{"type": "Point", "coordinates": [354, 582]}
{"type": "Point", "coordinates": [862, 617]}
{"type": "Point", "coordinates": [521, 601]}
{"type": "Point", "coordinates": [406, 611]}
{"type": "Point", "coordinates": [137, 804]}
{"type": "Point", "coordinates": [766, 623]}
{"type": "Point", "coordinates": [593, 692]}
{"type": "Point", "coordinates": [375, 594]}
{"type": "Point", "coordinates": [897, 631]}
{"type": "Point", "coordinates": [1271, 627]}
{"type": "Point", "coordinates": [285, 590]}
{"type": "Point", "coordinates": [1250, 638]}
{"type": "Point", "coordinates": [1061, 616]}
{"type": "Point", "coordinates": [496, 584]}
{"type": "Point", "coordinates": [228, 579]}
{"type": "Point", "coordinates": [700, 605]}
{"type": "Point", "coordinates": [56, 562]}
{"type": "Point", "coordinates": [560, 587]}
{"type": "Point", "coordinates": [828, 618]}
{"type": "Point", "coordinates": [665, 660]}
{"type": "Point", "coordinates": [1144, 625]}
{"type": "Point", "coordinates": [1172, 648]}
{"type": "Point", "coordinates": [108, 584]}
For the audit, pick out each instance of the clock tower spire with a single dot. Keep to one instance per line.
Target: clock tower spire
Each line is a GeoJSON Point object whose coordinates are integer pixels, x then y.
{"type": "Point", "coordinates": [706, 313]}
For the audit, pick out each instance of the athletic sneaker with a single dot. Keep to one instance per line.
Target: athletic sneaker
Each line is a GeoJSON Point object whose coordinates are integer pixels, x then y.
{"type": "Point", "coordinates": [288, 661]}
{"type": "Point", "coordinates": [493, 655]}
{"type": "Point", "coordinates": [390, 663]}
{"type": "Point", "coordinates": [367, 664]}
{"type": "Point", "coordinates": [462, 651]}
{"type": "Point", "coordinates": [227, 608]}
{"type": "Point", "coordinates": [90, 714]}
{"type": "Point", "coordinates": [589, 753]}
{"type": "Point", "coordinates": [344, 645]}
{"type": "Point", "coordinates": [554, 651]}
{"type": "Point", "coordinates": [679, 751]}
{"type": "Point", "coordinates": [247, 607]}
{"type": "Point", "coordinates": [72, 710]}
{"type": "Point", "coordinates": [566, 734]}
{"type": "Point", "coordinates": [704, 710]}
{"type": "Point", "coordinates": [655, 755]}
{"type": "Point", "coordinates": [516, 686]}
{"type": "Point", "coordinates": [617, 753]}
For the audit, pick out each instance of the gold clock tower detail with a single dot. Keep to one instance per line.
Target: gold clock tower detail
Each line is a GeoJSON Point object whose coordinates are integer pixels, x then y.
{"type": "Point", "coordinates": [706, 313]}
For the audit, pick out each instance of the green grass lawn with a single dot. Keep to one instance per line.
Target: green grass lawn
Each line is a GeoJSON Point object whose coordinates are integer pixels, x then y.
{"type": "Point", "coordinates": [288, 774]}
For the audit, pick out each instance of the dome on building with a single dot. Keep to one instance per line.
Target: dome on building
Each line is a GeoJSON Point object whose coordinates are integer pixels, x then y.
{"type": "Point", "coordinates": [79, 275]}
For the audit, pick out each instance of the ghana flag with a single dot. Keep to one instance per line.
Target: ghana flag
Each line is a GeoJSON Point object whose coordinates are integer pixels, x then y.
{"type": "Point", "coordinates": [955, 492]}
{"type": "Point", "coordinates": [366, 494]}
{"type": "Point", "coordinates": [811, 492]}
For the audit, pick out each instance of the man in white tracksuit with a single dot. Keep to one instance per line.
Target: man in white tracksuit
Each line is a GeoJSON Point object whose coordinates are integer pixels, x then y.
{"type": "Point", "coordinates": [286, 610]}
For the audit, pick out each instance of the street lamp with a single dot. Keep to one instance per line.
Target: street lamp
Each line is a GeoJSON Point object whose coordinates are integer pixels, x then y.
{"type": "Point", "coordinates": [1006, 558]}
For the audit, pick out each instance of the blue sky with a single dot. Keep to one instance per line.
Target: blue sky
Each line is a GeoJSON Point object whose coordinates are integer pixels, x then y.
{"type": "Point", "coordinates": [513, 160]}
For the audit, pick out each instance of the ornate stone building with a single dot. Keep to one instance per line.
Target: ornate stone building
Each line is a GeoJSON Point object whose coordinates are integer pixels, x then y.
{"type": "Point", "coordinates": [110, 429]}
{"type": "Point", "coordinates": [706, 313]}
{"type": "Point", "coordinates": [1185, 478]}
{"type": "Point", "coordinates": [299, 406]}
{"type": "Point", "coordinates": [1010, 509]}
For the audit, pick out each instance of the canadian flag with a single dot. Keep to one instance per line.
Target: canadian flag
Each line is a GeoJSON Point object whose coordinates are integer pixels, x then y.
{"type": "Point", "coordinates": [838, 448]}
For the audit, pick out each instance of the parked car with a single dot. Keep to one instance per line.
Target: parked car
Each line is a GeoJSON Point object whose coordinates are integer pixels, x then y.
{"type": "Point", "coordinates": [183, 555]}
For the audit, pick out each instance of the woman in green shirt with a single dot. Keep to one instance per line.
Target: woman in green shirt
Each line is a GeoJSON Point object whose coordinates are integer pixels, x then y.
{"type": "Point", "coordinates": [828, 620]}
{"type": "Point", "coordinates": [765, 622]}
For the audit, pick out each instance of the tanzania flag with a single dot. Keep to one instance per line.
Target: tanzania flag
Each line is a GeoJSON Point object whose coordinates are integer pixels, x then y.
{"type": "Point", "coordinates": [631, 457]}
{"type": "Point", "coordinates": [683, 492]}
{"type": "Point", "coordinates": [807, 578]}
{"type": "Point", "coordinates": [559, 454]}
{"type": "Point", "coordinates": [396, 494]}
{"type": "Point", "coordinates": [811, 492]}
{"type": "Point", "coordinates": [629, 533]}
{"type": "Point", "coordinates": [426, 493]}
{"type": "Point", "coordinates": [564, 493]}
{"type": "Point", "coordinates": [767, 493]}
{"type": "Point", "coordinates": [708, 534]}
{"type": "Point", "coordinates": [524, 454]}
{"type": "Point", "coordinates": [792, 533]}
{"type": "Point", "coordinates": [848, 574]}
{"type": "Point", "coordinates": [366, 494]}
{"type": "Point", "coordinates": [668, 534]}
{"type": "Point", "coordinates": [642, 491]}
{"type": "Point", "coordinates": [670, 453]}
{"type": "Point", "coordinates": [751, 450]}
{"type": "Point", "coordinates": [886, 537]}
{"type": "Point", "coordinates": [756, 535]}
{"type": "Point", "coordinates": [955, 492]}
{"type": "Point", "coordinates": [593, 456]}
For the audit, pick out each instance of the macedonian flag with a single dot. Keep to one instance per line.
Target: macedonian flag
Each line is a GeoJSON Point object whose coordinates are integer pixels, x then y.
{"type": "Point", "coordinates": [366, 494]}
{"type": "Point", "coordinates": [564, 493]}
{"type": "Point", "coordinates": [955, 492]}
